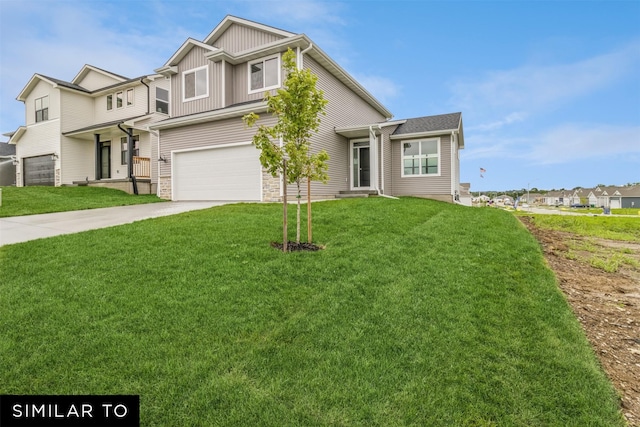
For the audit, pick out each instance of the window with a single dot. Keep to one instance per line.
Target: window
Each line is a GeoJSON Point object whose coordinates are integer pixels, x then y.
{"type": "Point", "coordinates": [109, 102]}
{"type": "Point", "coordinates": [129, 97]}
{"type": "Point", "coordinates": [421, 158]}
{"type": "Point", "coordinates": [162, 100]}
{"type": "Point", "coordinates": [124, 152]}
{"type": "Point", "coordinates": [264, 74]}
{"type": "Point", "coordinates": [42, 109]}
{"type": "Point", "coordinates": [195, 84]}
{"type": "Point", "coordinates": [119, 100]}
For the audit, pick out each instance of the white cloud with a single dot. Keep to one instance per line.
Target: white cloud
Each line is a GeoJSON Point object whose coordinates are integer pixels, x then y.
{"type": "Point", "coordinates": [533, 88]}
{"type": "Point", "coordinates": [494, 125]}
{"type": "Point", "coordinates": [572, 142]}
{"type": "Point", "coordinates": [382, 88]}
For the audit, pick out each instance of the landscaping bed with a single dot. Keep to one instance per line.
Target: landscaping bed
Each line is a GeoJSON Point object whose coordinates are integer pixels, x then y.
{"type": "Point", "coordinates": [601, 280]}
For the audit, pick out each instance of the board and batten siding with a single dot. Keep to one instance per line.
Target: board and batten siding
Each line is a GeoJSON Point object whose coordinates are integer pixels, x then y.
{"type": "Point", "coordinates": [241, 85]}
{"type": "Point", "coordinates": [202, 135]}
{"type": "Point", "coordinates": [345, 108]}
{"type": "Point", "coordinates": [194, 59]}
{"type": "Point", "coordinates": [77, 111]}
{"type": "Point", "coordinates": [94, 81]}
{"type": "Point", "coordinates": [238, 38]}
{"type": "Point", "coordinates": [422, 185]}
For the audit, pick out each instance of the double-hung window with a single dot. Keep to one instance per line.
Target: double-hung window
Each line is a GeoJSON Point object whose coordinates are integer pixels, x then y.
{"type": "Point", "coordinates": [119, 100]}
{"type": "Point", "coordinates": [129, 97]}
{"type": "Point", "coordinates": [421, 158]}
{"type": "Point", "coordinates": [42, 109]}
{"type": "Point", "coordinates": [124, 149]}
{"type": "Point", "coordinates": [264, 74]}
{"type": "Point", "coordinates": [109, 102]}
{"type": "Point", "coordinates": [195, 84]}
{"type": "Point", "coordinates": [162, 100]}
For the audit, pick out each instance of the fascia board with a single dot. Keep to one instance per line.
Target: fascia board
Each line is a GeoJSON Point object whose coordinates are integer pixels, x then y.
{"type": "Point", "coordinates": [230, 19]}
{"type": "Point", "coordinates": [184, 49]}
{"type": "Point", "coordinates": [422, 134]}
{"type": "Point", "coordinates": [265, 50]}
{"type": "Point", "coordinates": [209, 116]}
{"type": "Point", "coordinates": [14, 137]}
{"type": "Point", "coordinates": [339, 72]}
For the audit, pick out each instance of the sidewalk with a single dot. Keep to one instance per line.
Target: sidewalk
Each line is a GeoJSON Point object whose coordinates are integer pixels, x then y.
{"type": "Point", "coordinates": [19, 229]}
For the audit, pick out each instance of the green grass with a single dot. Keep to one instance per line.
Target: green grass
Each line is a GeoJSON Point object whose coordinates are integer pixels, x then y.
{"type": "Point", "coordinates": [416, 313]}
{"type": "Point", "coordinates": [605, 227]}
{"type": "Point", "coordinates": [18, 201]}
{"type": "Point", "coordinates": [626, 211]}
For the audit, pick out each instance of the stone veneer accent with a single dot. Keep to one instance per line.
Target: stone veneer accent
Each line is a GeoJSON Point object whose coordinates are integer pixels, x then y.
{"type": "Point", "coordinates": [165, 187]}
{"type": "Point", "coordinates": [58, 178]}
{"type": "Point", "coordinates": [270, 188]}
{"type": "Point", "coordinates": [18, 179]}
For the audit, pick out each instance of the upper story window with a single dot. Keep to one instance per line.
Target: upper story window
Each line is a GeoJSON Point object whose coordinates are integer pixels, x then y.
{"type": "Point", "coordinates": [42, 109]}
{"type": "Point", "coordinates": [129, 97]}
{"type": "Point", "coordinates": [195, 83]}
{"type": "Point", "coordinates": [421, 158]}
{"type": "Point", "coordinates": [109, 102]}
{"type": "Point", "coordinates": [162, 100]}
{"type": "Point", "coordinates": [119, 100]}
{"type": "Point", "coordinates": [264, 74]}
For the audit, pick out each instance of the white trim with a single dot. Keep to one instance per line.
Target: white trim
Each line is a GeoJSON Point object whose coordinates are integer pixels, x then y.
{"type": "Point", "coordinates": [209, 147]}
{"type": "Point", "coordinates": [420, 175]}
{"type": "Point", "coordinates": [209, 116]}
{"type": "Point", "coordinates": [264, 77]}
{"type": "Point", "coordinates": [422, 134]}
{"type": "Point", "coordinates": [195, 70]}
{"type": "Point", "coordinates": [351, 147]}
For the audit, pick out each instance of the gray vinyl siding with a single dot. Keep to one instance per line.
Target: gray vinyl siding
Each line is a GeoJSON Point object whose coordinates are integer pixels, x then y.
{"type": "Point", "coordinates": [205, 135]}
{"type": "Point", "coordinates": [238, 38]}
{"type": "Point", "coordinates": [344, 108]}
{"type": "Point", "coordinates": [422, 185]}
{"type": "Point", "coordinates": [194, 59]}
{"type": "Point", "coordinates": [241, 85]}
{"type": "Point", "coordinates": [228, 82]}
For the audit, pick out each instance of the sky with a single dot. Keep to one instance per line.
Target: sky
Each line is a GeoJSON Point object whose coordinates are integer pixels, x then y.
{"type": "Point", "coordinates": [549, 90]}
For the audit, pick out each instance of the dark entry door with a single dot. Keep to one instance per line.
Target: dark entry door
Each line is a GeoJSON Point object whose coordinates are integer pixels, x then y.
{"type": "Point", "coordinates": [364, 169]}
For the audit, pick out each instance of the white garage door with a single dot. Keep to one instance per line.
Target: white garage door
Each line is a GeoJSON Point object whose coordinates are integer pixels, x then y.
{"type": "Point", "coordinates": [226, 173]}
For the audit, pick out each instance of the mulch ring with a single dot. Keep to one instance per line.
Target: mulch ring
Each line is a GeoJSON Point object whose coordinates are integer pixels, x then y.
{"type": "Point", "coordinates": [295, 247]}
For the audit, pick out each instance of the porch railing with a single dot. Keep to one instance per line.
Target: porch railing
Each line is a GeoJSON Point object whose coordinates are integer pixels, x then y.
{"type": "Point", "coordinates": [141, 167]}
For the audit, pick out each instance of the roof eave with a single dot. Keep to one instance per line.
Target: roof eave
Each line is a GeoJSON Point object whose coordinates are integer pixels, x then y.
{"type": "Point", "coordinates": [209, 116]}
{"type": "Point", "coordinates": [230, 20]}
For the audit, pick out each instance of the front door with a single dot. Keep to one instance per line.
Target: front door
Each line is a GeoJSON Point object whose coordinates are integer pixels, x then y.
{"type": "Point", "coordinates": [361, 162]}
{"type": "Point", "coordinates": [105, 160]}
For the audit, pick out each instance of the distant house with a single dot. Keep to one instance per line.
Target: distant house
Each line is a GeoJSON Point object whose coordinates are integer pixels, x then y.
{"type": "Point", "coordinates": [630, 197]}
{"type": "Point", "coordinates": [181, 130]}
{"type": "Point", "coordinates": [7, 164]}
{"type": "Point", "coordinates": [465, 194]}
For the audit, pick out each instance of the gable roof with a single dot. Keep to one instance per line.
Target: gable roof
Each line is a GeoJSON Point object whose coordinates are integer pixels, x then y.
{"type": "Point", "coordinates": [182, 52]}
{"type": "Point", "coordinates": [86, 69]}
{"type": "Point", "coordinates": [230, 20]}
{"type": "Point", "coordinates": [36, 78]}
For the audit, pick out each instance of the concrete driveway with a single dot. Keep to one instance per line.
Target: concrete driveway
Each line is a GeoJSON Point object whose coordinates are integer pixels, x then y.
{"type": "Point", "coordinates": [30, 227]}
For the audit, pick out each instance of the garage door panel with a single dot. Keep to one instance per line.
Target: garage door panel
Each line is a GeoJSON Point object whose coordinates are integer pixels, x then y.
{"type": "Point", "coordinates": [229, 173]}
{"type": "Point", "coordinates": [39, 170]}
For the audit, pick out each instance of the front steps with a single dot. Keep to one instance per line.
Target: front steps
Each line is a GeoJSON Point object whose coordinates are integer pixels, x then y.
{"type": "Point", "coordinates": [355, 194]}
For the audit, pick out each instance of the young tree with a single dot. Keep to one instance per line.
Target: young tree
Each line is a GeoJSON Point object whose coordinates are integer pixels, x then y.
{"type": "Point", "coordinates": [284, 147]}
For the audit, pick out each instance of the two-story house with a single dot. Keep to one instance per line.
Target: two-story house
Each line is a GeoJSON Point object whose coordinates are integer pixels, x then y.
{"type": "Point", "coordinates": [90, 130]}
{"type": "Point", "coordinates": [202, 149]}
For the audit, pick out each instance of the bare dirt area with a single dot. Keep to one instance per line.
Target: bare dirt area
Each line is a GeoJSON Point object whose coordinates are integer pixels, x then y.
{"type": "Point", "coordinates": [607, 304]}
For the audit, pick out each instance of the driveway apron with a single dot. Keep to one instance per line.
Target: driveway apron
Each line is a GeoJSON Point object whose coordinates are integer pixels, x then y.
{"type": "Point", "coordinates": [19, 229]}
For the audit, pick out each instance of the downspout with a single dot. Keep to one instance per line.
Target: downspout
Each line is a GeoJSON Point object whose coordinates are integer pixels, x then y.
{"type": "Point", "coordinates": [148, 94]}
{"type": "Point", "coordinates": [454, 170]}
{"type": "Point", "coordinates": [376, 186]}
{"type": "Point", "coordinates": [157, 135]}
{"type": "Point", "coordinates": [129, 133]}
{"type": "Point", "coordinates": [301, 61]}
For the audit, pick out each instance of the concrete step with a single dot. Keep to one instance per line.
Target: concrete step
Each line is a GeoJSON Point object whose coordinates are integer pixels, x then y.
{"type": "Point", "coordinates": [352, 196]}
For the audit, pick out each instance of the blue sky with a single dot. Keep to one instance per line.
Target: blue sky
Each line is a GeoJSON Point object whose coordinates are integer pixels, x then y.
{"type": "Point", "coordinates": [549, 90]}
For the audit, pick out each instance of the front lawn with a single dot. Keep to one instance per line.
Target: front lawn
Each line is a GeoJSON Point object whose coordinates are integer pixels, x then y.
{"type": "Point", "coordinates": [605, 227]}
{"type": "Point", "coordinates": [416, 313]}
{"type": "Point", "coordinates": [37, 200]}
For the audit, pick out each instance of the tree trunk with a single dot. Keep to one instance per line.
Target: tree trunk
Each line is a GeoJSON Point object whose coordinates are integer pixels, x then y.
{"type": "Point", "coordinates": [298, 214]}
{"type": "Point", "coordinates": [309, 210]}
{"type": "Point", "coordinates": [284, 206]}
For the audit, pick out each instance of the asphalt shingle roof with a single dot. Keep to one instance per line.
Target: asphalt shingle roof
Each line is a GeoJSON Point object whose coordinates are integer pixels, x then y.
{"type": "Point", "coordinates": [65, 84]}
{"type": "Point", "coordinates": [429, 124]}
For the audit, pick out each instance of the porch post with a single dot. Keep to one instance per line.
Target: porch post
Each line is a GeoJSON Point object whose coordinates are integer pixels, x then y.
{"type": "Point", "coordinates": [96, 138]}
